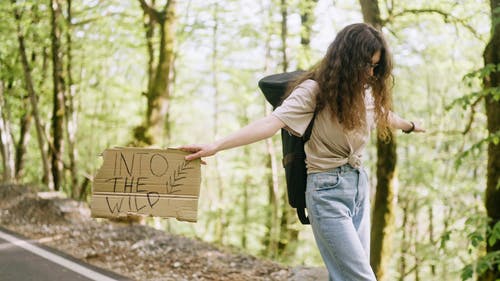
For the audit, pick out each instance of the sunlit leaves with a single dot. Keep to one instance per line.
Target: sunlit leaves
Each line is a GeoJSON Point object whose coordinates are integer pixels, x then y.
{"type": "Point", "coordinates": [471, 80]}
{"type": "Point", "coordinates": [482, 72]}
{"type": "Point", "coordinates": [467, 272]}
{"type": "Point", "coordinates": [484, 263]}
{"type": "Point", "coordinates": [480, 238]}
{"type": "Point", "coordinates": [477, 147]}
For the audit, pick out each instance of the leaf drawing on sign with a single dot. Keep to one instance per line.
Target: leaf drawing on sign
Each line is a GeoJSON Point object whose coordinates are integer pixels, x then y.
{"type": "Point", "coordinates": [179, 174]}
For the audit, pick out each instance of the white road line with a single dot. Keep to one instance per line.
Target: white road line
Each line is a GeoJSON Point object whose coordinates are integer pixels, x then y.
{"type": "Point", "coordinates": [56, 259]}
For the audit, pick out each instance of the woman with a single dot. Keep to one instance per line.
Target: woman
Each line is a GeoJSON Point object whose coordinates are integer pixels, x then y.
{"type": "Point", "coordinates": [350, 92]}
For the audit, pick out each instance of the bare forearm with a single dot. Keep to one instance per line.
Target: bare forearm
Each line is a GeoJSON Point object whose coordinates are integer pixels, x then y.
{"type": "Point", "coordinates": [397, 122]}
{"type": "Point", "coordinates": [253, 132]}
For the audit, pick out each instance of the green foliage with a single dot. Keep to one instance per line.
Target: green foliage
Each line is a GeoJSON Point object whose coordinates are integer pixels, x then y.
{"type": "Point", "coordinates": [472, 98]}
{"type": "Point", "coordinates": [467, 101]}
{"type": "Point", "coordinates": [482, 72]}
{"type": "Point", "coordinates": [494, 235]}
{"type": "Point", "coordinates": [470, 79]}
{"type": "Point", "coordinates": [481, 237]}
{"type": "Point", "coordinates": [477, 147]}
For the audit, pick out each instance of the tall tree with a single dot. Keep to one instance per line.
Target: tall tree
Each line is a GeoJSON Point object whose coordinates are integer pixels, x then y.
{"type": "Point", "coordinates": [491, 82]}
{"type": "Point", "coordinates": [287, 234]}
{"type": "Point", "coordinates": [33, 97]}
{"type": "Point", "coordinates": [59, 88]}
{"type": "Point", "coordinates": [221, 223]}
{"type": "Point", "coordinates": [26, 120]}
{"type": "Point", "coordinates": [383, 209]}
{"type": "Point", "coordinates": [6, 140]}
{"type": "Point", "coordinates": [71, 113]}
{"type": "Point", "coordinates": [271, 238]}
{"type": "Point", "coordinates": [158, 92]}
{"type": "Point", "coordinates": [307, 18]}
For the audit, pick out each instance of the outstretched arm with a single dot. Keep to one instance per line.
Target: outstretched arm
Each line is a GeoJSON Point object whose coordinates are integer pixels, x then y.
{"type": "Point", "coordinates": [397, 122]}
{"type": "Point", "coordinates": [255, 131]}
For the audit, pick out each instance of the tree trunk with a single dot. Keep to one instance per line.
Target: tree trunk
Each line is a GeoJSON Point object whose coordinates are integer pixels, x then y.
{"type": "Point", "coordinates": [492, 202]}
{"type": "Point", "coordinates": [383, 209]}
{"type": "Point", "coordinates": [371, 13]}
{"type": "Point", "coordinates": [246, 200]}
{"type": "Point", "coordinates": [404, 243]}
{"type": "Point", "coordinates": [271, 237]}
{"type": "Point", "coordinates": [24, 136]}
{"type": "Point", "coordinates": [288, 235]}
{"type": "Point", "coordinates": [415, 241]}
{"type": "Point", "coordinates": [221, 223]}
{"type": "Point", "coordinates": [27, 121]}
{"type": "Point", "coordinates": [307, 20]}
{"type": "Point", "coordinates": [58, 113]}
{"type": "Point", "coordinates": [141, 134]}
{"type": "Point", "coordinates": [158, 94]}
{"type": "Point", "coordinates": [284, 34]}
{"type": "Point", "coordinates": [71, 114]}
{"type": "Point", "coordinates": [272, 219]}
{"type": "Point", "coordinates": [6, 141]}
{"type": "Point", "coordinates": [448, 220]}
{"type": "Point", "coordinates": [149, 26]}
{"type": "Point", "coordinates": [432, 240]}
{"type": "Point", "coordinates": [47, 176]}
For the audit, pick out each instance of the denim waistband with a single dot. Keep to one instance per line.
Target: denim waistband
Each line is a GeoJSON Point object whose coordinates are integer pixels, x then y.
{"type": "Point", "coordinates": [344, 168]}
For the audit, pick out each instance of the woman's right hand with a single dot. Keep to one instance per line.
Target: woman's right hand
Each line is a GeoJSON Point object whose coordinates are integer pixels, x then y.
{"type": "Point", "coordinates": [199, 150]}
{"type": "Point", "coordinates": [255, 131]}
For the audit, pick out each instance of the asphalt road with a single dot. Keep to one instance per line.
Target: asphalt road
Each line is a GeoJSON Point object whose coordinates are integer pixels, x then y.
{"type": "Point", "coordinates": [22, 260]}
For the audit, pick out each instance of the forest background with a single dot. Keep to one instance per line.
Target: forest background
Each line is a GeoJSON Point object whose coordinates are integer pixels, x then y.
{"type": "Point", "coordinates": [80, 76]}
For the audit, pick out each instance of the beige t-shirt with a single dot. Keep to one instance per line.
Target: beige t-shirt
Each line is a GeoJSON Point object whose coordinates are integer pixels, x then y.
{"type": "Point", "coordinates": [329, 146]}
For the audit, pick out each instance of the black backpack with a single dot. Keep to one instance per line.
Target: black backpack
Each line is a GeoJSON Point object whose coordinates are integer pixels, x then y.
{"type": "Point", "coordinates": [274, 88]}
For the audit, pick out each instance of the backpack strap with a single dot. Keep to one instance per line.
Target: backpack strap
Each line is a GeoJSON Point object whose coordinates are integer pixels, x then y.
{"type": "Point", "coordinates": [301, 213]}
{"type": "Point", "coordinates": [308, 131]}
{"type": "Point", "coordinates": [305, 137]}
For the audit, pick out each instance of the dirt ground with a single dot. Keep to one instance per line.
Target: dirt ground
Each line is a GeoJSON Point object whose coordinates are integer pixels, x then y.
{"type": "Point", "coordinates": [136, 251]}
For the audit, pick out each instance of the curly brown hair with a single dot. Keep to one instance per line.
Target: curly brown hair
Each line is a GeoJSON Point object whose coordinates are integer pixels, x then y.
{"type": "Point", "coordinates": [343, 74]}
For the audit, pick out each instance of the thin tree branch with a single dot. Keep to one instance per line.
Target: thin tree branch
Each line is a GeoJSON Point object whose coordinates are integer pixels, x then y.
{"type": "Point", "coordinates": [472, 115]}
{"type": "Point", "coordinates": [154, 14]}
{"type": "Point", "coordinates": [447, 18]}
{"type": "Point", "coordinates": [93, 19]}
{"type": "Point", "coordinates": [389, 7]}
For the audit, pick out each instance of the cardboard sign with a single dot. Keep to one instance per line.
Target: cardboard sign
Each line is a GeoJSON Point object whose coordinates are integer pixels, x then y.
{"type": "Point", "coordinates": [145, 181]}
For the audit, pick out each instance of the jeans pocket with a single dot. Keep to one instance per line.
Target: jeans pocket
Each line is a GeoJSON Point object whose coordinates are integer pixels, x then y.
{"type": "Point", "coordinates": [326, 181]}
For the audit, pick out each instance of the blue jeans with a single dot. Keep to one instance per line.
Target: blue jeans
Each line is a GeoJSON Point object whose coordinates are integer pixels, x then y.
{"type": "Point", "coordinates": [338, 204]}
